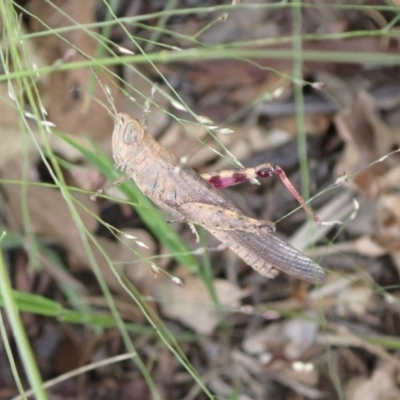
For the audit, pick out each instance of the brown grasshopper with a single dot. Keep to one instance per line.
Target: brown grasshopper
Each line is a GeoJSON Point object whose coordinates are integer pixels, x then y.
{"type": "Point", "coordinates": [189, 197]}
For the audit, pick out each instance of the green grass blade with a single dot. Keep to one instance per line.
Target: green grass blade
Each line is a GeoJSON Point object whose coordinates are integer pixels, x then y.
{"type": "Point", "coordinates": [17, 327]}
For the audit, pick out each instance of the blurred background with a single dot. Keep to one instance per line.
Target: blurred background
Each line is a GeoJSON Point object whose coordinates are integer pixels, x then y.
{"type": "Point", "coordinates": [115, 302]}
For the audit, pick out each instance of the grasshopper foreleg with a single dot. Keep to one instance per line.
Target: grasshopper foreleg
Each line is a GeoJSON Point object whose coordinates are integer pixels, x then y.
{"type": "Point", "coordinates": [117, 182]}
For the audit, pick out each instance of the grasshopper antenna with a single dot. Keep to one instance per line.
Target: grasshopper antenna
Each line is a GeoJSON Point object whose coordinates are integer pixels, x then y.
{"type": "Point", "coordinates": [105, 88]}
{"type": "Point", "coordinates": [110, 100]}
{"type": "Point", "coordinates": [146, 109]}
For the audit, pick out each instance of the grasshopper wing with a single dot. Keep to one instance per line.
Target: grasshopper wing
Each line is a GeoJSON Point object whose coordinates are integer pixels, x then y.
{"type": "Point", "coordinates": [268, 253]}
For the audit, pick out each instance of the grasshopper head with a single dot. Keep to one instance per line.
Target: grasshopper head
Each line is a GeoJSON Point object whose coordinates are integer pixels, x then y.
{"type": "Point", "coordinates": [127, 135]}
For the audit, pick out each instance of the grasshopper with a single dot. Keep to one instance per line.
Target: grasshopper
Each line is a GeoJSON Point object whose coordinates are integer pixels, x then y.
{"type": "Point", "coordinates": [189, 197]}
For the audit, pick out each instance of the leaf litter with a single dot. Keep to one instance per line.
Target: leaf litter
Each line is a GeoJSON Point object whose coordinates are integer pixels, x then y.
{"type": "Point", "coordinates": [351, 123]}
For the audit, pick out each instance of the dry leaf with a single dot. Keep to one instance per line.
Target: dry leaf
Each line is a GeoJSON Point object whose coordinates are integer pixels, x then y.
{"type": "Point", "coordinates": [301, 336]}
{"type": "Point", "coordinates": [367, 139]}
{"type": "Point", "coordinates": [64, 94]}
{"type": "Point", "coordinates": [13, 142]}
{"type": "Point", "coordinates": [390, 182]}
{"type": "Point", "coordinates": [382, 385]}
{"type": "Point", "coordinates": [300, 382]}
{"type": "Point", "coordinates": [268, 339]}
{"type": "Point", "coordinates": [388, 226]}
{"type": "Point", "coordinates": [48, 210]}
{"type": "Point", "coordinates": [137, 268]}
{"type": "Point", "coordinates": [354, 302]}
{"type": "Point", "coordinates": [192, 305]}
{"type": "Point", "coordinates": [51, 217]}
{"type": "Point", "coordinates": [293, 337]}
{"type": "Point", "coordinates": [367, 247]}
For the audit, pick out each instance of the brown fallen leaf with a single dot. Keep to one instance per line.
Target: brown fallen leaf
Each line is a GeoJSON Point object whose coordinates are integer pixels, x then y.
{"type": "Point", "coordinates": [292, 338]}
{"type": "Point", "coordinates": [13, 142]}
{"type": "Point", "coordinates": [388, 226]}
{"type": "Point", "coordinates": [354, 302]}
{"type": "Point", "coordinates": [64, 94]}
{"type": "Point", "coordinates": [47, 208]}
{"type": "Point", "coordinates": [382, 385]}
{"type": "Point", "coordinates": [51, 217]}
{"type": "Point", "coordinates": [191, 304]}
{"type": "Point", "coordinates": [302, 381]}
{"type": "Point", "coordinates": [367, 138]}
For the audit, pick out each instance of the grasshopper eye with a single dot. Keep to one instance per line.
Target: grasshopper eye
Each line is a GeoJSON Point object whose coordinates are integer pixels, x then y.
{"type": "Point", "coordinates": [130, 134]}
